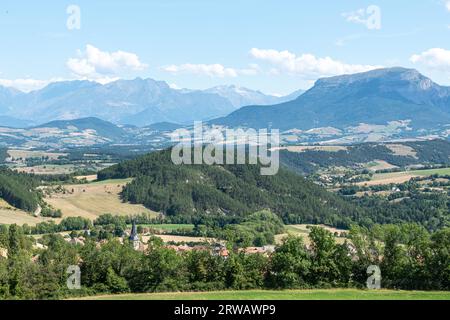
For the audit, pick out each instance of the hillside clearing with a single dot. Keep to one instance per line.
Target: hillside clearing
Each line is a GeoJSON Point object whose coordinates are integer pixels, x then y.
{"type": "Point", "coordinates": [300, 149]}
{"type": "Point", "coordinates": [11, 215]}
{"type": "Point", "coordinates": [379, 165]}
{"type": "Point", "coordinates": [402, 150]}
{"type": "Point", "coordinates": [94, 199]}
{"type": "Point", "coordinates": [303, 231]}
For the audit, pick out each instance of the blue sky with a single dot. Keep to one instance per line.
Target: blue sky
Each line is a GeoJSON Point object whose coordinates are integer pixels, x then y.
{"type": "Point", "coordinates": [275, 46]}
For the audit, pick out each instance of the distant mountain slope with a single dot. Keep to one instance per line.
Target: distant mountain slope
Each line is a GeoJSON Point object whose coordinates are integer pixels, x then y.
{"type": "Point", "coordinates": [234, 190]}
{"type": "Point", "coordinates": [164, 126]}
{"type": "Point", "coordinates": [240, 96]}
{"type": "Point", "coordinates": [7, 97]}
{"type": "Point", "coordinates": [11, 122]}
{"type": "Point", "coordinates": [102, 128]}
{"type": "Point", "coordinates": [136, 102]}
{"type": "Point", "coordinates": [374, 97]}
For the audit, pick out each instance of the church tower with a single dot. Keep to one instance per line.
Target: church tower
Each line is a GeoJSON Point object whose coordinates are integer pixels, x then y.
{"type": "Point", "coordinates": [134, 238]}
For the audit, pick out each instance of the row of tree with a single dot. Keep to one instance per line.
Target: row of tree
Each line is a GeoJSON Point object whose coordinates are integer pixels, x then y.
{"type": "Point", "coordinates": [409, 258]}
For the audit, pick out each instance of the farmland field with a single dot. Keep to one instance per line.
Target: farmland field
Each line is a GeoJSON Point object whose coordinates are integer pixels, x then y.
{"type": "Point", "coordinates": [402, 150]}
{"type": "Point", "coordinates": [300, 149]}
{"type": "Point", "coordinates": [54, 169]}
{"type": "Point", "coordinates": [379, 165]}
{"type": "Point", "coordinates": [11, 215]}
{"type": "Point", "coordinates": [401, 177]}
{"type": "Point", "coordinates": [168, 227]}
{"type": "Point", "coordinates": [26, 154]}
{"type": "Point", "coordinates": [48, 169]}
{"type": "Point", "coordinates": [94, 199]}
{"type": "Point", "coordinates": [303, 231]}
{"type": "Point", "coordinates": [171, 238]}
{"type": "Point", "coordinates": [337, 294]}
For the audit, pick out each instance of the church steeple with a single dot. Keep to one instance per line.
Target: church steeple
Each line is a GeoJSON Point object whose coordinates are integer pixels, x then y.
{"type": "Point", "coordinates": [134, 237]}
{"type": "Point", "coordinates": [134, 234]}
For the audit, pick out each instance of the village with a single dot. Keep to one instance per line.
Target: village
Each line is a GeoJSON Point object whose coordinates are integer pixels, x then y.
{"type": "Point", "coordinates": [140, 242]}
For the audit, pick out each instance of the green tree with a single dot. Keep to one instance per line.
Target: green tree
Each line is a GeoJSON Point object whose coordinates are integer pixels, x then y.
{"type": "Point", "coordinates": [116, 283]}
{"type": "Point", "coordinates": [290, 265]}
{"type": "Point", "coordinates": [439, 263]}
{"type": "Point", "coordinates": [323, 267]}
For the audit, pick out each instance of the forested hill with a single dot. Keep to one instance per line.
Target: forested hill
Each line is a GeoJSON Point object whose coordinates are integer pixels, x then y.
{"type": "Point", "coordinates": [227, 191]}
{"type": "Point", "coordinates": [418, 153]}
{"type": "Point", "coordinates": [18, 190]}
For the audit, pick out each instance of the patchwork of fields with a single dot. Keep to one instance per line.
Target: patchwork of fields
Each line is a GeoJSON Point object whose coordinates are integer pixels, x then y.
{"type": "Point", "coordinates": [401, 177]}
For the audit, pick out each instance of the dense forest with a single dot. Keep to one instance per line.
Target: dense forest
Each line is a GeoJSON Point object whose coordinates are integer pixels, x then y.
{"type": "Point", "coordinates": [309, 161]}
{"type": "Point", "coordinates": [112, 153]}
{"type": "Point", "coordinates": [19, 190]}
{"type": "Point", "coordinates": [432, 152]}
{"type": "Point", "coordinates": [229, 190]}
{"type": "Point", "coordinates": [408, 256]}
{"type": "Point", "coordinates": [429, 209]}
{"type": "Point", "coordinates": [195, 192]}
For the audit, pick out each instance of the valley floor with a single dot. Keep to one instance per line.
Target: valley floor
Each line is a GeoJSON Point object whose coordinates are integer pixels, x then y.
{"type": "Point", "coordinates": [332, 294]}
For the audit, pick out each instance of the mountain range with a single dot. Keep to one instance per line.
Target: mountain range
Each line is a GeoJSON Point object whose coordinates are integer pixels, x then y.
{"type": "Point", "coordinates": [137, 102]}
{"type": "Point", "coordinates": [376, 97]}
{"type": "Point", "coordinates": [380, 105]}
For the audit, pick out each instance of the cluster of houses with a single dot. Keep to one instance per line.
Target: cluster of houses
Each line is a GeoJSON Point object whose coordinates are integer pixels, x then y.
{"type": "Point", "coordinates": [216, 248]}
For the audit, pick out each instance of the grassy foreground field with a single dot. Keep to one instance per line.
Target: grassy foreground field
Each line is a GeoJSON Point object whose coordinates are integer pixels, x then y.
{"type": "Point", "coordinates": [335, 294]}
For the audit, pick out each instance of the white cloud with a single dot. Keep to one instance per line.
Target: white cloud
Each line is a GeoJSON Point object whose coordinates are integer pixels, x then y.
{"type": "Point", "coordinates": [447, 5]}
{"type": "Point", "coordinates": [358, 16]}
{"type": "Point", "coordinates": [94, 63]}
{"type": "Point", "coordinates": [174, 86]}
{"type": "Point", "coordinates": [29, 84]}
{"type": "Point", "coordinates": [252, 70]}
{"type": "Point", "coordinates": [212, 70]}
{"type": "Point", "coordinates": [307, 65]}
{"type": "Point", "coordinates": [369, 17]}
{"type": "Point", "coordinates": [435, 58]}
{"type": "Point", "coordinates": [25, 84]}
